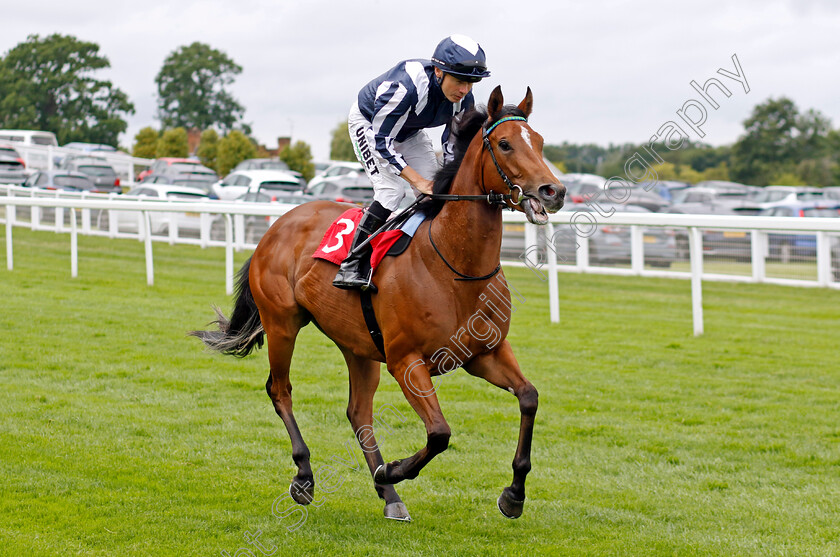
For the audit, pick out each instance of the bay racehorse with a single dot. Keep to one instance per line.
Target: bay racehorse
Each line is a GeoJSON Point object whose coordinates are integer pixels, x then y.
{"type": "Point", "coordinates": [432, 303]}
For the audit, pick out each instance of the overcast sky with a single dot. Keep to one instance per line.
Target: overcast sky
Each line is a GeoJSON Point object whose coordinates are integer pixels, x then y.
{"type": "Point", "coordinates": [601, 72]}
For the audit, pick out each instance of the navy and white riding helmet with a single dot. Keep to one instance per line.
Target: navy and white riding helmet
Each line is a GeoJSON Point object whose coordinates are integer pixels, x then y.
{"type": "Point", "coordinates": [462, 57]}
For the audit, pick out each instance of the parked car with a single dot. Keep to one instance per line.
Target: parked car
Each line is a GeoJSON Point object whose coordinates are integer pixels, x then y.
{"type": "Point", "coordinates": [127, 221]}
{"type": "Point", "coordinates": [336, 172]}
{"type": "Point", "coordinates": [237, 183]}
{"type": "Point", "coordinates": [832, 193]}
{"type": "Point", "coordinates": [355, 189]}
{"type": "Point", "coordinates": [268, 164]}
{"type": "Point", "coordinates": [196, 176]}
{"type": "Point", "coordinates": [773, 196]}
{"type": "Point", "coordinates": [706, 201]}
{"type": "Point", "coordinates": [28, 137]}
{"type": "Point", "coordinates": [102, 173]}
{"type": "Point", "coordinates": [83, 149]}
{"type": "Point", "coordinates": [581, 186]}
{"type": "Point", "coordinates": [12, 167]}
{"type": "Point", "coordinates": [66, 180]}
{"type": "Point", "coordinates": [257, 225]}
{"type": "Point", "coordinates": [664, 188]}
{"type": "Point", "coordinates": [788, 248]}
{"type": "Point", "coordinates": [90, 147]}
{"type": "Point", "coordinates": [169, 166]}
{"type": "Point", "coordinates": [722, 187]}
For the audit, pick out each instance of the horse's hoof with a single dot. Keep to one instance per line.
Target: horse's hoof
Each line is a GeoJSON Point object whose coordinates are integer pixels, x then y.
{"type": "Point", "coordinates": [380, 476]}
{"type": "Point", "coordinates": [508, 506]}
{"type": "Point", "coordinates": [302, 493]}
{"type": "Point", "coordinates": [397, 511]}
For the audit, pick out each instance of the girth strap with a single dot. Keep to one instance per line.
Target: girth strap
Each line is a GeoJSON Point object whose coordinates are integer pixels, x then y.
{"type": "Point", "coordinates": [370, 321]}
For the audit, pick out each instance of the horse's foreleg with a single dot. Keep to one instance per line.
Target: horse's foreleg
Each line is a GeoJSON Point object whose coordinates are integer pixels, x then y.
{"type": "Point", "coordinates": [364, 379]}
{"type": "Point", "coordinates": [501, 369]}
{"type": "Point", "coordinates": [416, 384]}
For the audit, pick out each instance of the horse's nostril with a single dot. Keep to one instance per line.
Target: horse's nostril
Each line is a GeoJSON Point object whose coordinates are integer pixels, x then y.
{"type": "Point", "coordinates": [550, 192]}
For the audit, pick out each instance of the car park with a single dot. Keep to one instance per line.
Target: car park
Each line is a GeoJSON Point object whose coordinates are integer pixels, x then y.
{"type": "Point", "coordinates": [128, 221]}
{"type": "Point", "coordinates": [238, 183]}
{"type": "Point", "coordinates": [12, 167]}
{"type": "Point", "coordinates": [97, 168]}
{"type": "Point", "coordinates": [608, 244]}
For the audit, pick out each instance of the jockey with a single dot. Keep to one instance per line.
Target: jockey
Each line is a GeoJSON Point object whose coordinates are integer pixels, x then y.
{"type": "Point", "coordinates": [387, 123]}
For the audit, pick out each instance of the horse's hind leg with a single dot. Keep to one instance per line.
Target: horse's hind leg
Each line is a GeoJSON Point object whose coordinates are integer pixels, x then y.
{"type": "Point", "coordinates": [364, 379]}
{"type": "Point", "coordinates": [281, 332]}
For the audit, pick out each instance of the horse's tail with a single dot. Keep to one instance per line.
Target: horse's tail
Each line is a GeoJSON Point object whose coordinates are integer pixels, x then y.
{"type": "Point", "coordinates": [243, 331]}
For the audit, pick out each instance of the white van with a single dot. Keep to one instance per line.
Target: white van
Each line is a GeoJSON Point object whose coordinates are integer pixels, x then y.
{"type": "Point", "coordinates": [28, 137]}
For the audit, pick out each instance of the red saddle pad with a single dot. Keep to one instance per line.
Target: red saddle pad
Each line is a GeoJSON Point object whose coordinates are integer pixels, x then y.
{"type": "Point", "coordinates": [336, 242]}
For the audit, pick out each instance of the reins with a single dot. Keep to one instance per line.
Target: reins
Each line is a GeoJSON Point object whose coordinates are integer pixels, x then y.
{"type": "Point", "coordinates": [492, 198]}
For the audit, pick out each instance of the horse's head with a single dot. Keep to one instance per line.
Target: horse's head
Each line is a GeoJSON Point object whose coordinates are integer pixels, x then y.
{"type": "Point", "coordinates": [516, 160]}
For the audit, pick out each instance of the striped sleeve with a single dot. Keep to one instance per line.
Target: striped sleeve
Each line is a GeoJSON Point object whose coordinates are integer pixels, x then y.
{"type": "Point", "coordinates": [390, 110]}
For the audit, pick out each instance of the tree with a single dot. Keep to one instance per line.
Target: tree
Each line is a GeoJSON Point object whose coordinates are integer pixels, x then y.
{"type": "Point", "coordinates": [234, 148]}
{"type": "Point", "coordinates": [145, 143]}
{"type": "Point", "coordinates": [192, 89]}
{"type": "Point", "coordinates": [173, 143]}
{"type": "Point", "coordinates": [777, 140]}
{"type": "Point", "coordinates": [47, 84]}
{"type": "Point", "coordinates": [299, 157]}
{"type": "Point", "coordinates": [208, 147]}
{"type": "Point", "coordinates": [341, 147]}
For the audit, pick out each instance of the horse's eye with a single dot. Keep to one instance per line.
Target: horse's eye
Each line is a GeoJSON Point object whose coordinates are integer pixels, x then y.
{"type": "Point", "coordinates": [505, 146]}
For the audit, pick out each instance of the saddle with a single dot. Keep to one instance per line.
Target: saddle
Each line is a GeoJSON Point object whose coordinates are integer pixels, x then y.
{"type": "Point", "coordinates": [335, 244]}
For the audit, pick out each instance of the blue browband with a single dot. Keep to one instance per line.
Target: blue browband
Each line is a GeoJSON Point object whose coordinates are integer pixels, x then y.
{"type": "Point", "coordinates": [505, 119]}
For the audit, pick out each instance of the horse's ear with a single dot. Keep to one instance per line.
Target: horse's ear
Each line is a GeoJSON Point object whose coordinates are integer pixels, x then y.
{"type": "Point", "coordinates": [527, 103]}
{"type": "Point", "coordinates": [495, 104]}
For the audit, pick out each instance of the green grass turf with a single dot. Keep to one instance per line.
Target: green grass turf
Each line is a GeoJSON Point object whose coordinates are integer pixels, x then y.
{"type": "Point", "coordinates": [120, 436]}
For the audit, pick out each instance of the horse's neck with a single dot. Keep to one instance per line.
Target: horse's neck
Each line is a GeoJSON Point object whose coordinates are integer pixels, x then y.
{"type": "Point", "coordinates": [469, 233]}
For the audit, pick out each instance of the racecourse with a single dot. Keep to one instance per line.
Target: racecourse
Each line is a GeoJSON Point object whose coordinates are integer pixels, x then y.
{"type": "Point", "coordinates": [122, 436]}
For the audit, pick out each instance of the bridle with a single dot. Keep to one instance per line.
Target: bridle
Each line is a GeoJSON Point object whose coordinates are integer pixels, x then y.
{"type": "Point", "coordinates": [492, 198]}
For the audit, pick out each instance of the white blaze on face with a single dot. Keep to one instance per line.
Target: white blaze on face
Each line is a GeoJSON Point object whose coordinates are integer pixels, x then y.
{"type": "Point", "coordinates": [527, 137]}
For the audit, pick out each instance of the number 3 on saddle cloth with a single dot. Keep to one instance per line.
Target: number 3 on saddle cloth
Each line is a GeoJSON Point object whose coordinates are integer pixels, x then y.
{"type": "Point", "coordinates": [336, 243]}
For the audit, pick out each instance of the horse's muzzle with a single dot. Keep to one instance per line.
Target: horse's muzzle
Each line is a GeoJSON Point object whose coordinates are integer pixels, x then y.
{"type": "Point", "coordinates": [552, 196]}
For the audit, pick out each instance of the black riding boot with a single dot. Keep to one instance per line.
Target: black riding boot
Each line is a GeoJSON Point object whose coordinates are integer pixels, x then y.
{"type": "Point", "coordinates": [349, 275]}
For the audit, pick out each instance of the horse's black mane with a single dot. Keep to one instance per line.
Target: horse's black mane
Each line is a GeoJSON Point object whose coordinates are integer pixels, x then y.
{"type": "Point", "coordinates": [464, 130]}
